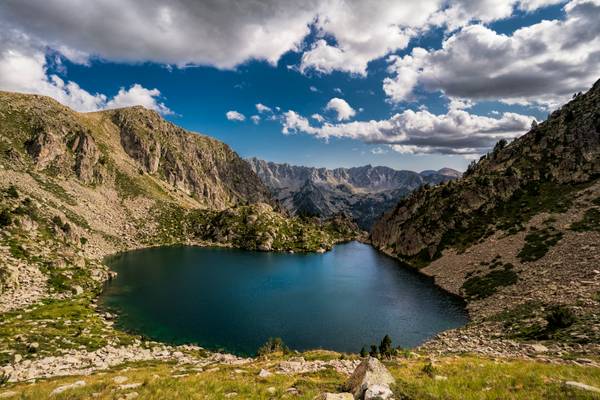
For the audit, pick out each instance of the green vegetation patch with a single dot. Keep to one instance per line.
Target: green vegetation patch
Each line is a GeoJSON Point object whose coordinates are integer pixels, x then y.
{"type": "Point", "coordinates": [55, 325]}
{"type": "Point", "coordinates": [509, 216]}
{"type": "Point", "coordinates": [589, 222]}
{"type": "Point", "coordinates": [126, 186]}
{"type": "Point", "coordinates": [480, 287]}
{"type": "Point", "coordinates": [535, 320]}
{"type": "Point", "coordinates": [476, 378]}
{"type": "Point", "coordinates": [50, 186]}
{"type": "Point", "coordinates": [538, 242]}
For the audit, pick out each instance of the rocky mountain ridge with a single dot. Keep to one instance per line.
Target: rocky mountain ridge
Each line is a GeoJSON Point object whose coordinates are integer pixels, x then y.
{"type": "Point", "coordinates": [362, 193]}
{"type": "Point", "coordinates": [517, 236]}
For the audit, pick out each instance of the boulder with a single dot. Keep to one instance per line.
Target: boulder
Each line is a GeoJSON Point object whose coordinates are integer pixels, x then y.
{"type": "Point", "coordinates": [61, 389]}
{"type": "Point", "coordinates": [335, 396]}
{"type": "Point", "coordinates": [370, 372]}
{"type": "Point", "coordinates": [264, 373]}
{"type": "Point", "coordinates": [378, 392]}
{"type": "Point", "coordinates": [582, 386]}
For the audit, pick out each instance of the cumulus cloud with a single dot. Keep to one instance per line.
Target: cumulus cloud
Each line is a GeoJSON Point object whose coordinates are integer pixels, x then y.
{"type": "Point", "coordinates": [317, 117]}
{"type": "Point", "coordinates": [418, 132]}
{"type": "Point", "coordinates": [226, 33]}
{"type": "Point", "coordinates": [255, 119]}
{"type": "Point", "coordinates": [364, 31]}
{"type": "Point", "coordinates": [218, 33]}
{"type": "Point", "coordinates": [342, 109]}
{"type": "Point", "coordinates": [542, 64]}
{"type": "Point", "coordinates": [233, 115]}
{"type": "Point", "coordinates": [261, 108]}
{"type": "Point", "coordinates": [462, 12]}
{"type": "Point", "coordinates": [138, 95]}
{"type": "Point", "coordinates": [23, 68]}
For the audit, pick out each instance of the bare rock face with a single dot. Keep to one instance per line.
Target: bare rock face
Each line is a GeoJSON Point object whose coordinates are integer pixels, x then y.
{"type": "Point", "coordinates": [198, 165]}
{"type": "Point", "coordinates": [87, 156]}
{"type": "Point", "coordinates": [370, 376]}
{"type": "Point", "coordinates": [45, 148]}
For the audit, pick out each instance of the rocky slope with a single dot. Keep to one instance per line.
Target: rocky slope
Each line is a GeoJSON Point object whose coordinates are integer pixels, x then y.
{"type": "Point", "coordinates": [516, 236]}
{"type": "Point", "coordinates": [362, 193]}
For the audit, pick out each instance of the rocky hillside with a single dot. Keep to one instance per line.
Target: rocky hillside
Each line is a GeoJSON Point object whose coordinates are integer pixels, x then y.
{"type": "Point", "coordinates": [362, 193]}
{"type": "Point", "coordinates": [75, 187]}
{"type": "Point", "coordinates": [518, 234]}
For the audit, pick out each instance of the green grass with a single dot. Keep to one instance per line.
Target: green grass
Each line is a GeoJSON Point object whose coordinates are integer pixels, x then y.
{"type": "Point", "coordinates": [538, 242]}
{"type": "Point", "coordinates": [126, 186]}
{"type": "Point", "coordinates": [472, 378]}
{"type": "Point", "coordinates": [467, 378]}
{"type": "Point", "coordinates": [55, 325]}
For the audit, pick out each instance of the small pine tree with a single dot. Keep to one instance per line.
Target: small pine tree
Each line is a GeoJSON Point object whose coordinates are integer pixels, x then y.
{"type": "Point", "coordinates": [373, 352]}
{"type": "Point", "coordinates": [385, 348]}
{"type": "Point", "coordinates": [363, 352]}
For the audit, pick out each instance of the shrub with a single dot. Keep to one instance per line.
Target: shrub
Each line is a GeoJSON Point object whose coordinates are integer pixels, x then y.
{"type": "Point", "coordinates": [4, 377]}
{"type": "Point", "coordinates": [12, 192]}
{"type": "Point", "coordinates": [538, 242]}
{"type": "Point", "coordinates": [273, 345]}
{"type": "Point", "coordinates": [428, 369]}
{"type": "Point", "coordinates": [589, 222]}
{"type": "Point", "coordinates": [480, 287]}
{"type": "Point", "coordinates": [57, 220]}
{"type": "Point", "coordinates": [560, 317]}
{"type": "Point", "coordinates": [5, 218]}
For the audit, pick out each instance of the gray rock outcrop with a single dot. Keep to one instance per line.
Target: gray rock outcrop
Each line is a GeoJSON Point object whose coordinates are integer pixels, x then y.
{"type": "Point", "coordinates": [370, 378]}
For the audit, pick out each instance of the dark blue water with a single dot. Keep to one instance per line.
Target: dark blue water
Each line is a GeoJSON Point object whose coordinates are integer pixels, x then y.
{"type": "Point", "coordinates": [235, 300]}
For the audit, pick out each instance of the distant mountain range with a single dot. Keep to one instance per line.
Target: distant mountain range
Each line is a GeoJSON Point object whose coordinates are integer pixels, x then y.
{"type": "Point", "coordinates": [362, 193]}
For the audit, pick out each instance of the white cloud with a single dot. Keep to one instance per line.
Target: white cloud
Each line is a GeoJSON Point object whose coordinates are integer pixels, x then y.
{"type": "Point", "coordinates": [222, 33]}
{"type": "Point", "coordinates": [261, 108]}
{"type": "Point", "coordinates": [364, 31]}
{"type": "Point", "coordinates": [337, 90]}
{"type": "Point", "coordinates": [317, 117]}
{"type": "Point", "coordinates": [138, 95]}
{"type": "Point", "coordinates": [378, 150]}
{"type": "Point", "coordinates": [233, 115]}
{"type": "Point", "coordinates": [217, 33]}
{"type": "Point", "coordinates": [23, 68]}
{"type": "Point", "coordinates": [462, 12]}
{"type": "Point", "coordinates": [342, 109]}
{"type": "Point", "coordinates": [419, 132]}
{"type": "Point", "coordinates": [313, 89]}
{"type": "Point", "coordinates": [542, 64]}
{"type": "Point", "coordinates": [255, 119]}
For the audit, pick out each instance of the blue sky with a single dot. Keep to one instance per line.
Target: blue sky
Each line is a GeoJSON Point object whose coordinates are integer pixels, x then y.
{"type": "Point", "coordinates": [198, 95]}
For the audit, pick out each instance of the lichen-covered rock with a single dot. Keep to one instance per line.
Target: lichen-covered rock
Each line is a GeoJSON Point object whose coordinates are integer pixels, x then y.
{"type": "Point", "coordinates": [370, 373]}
